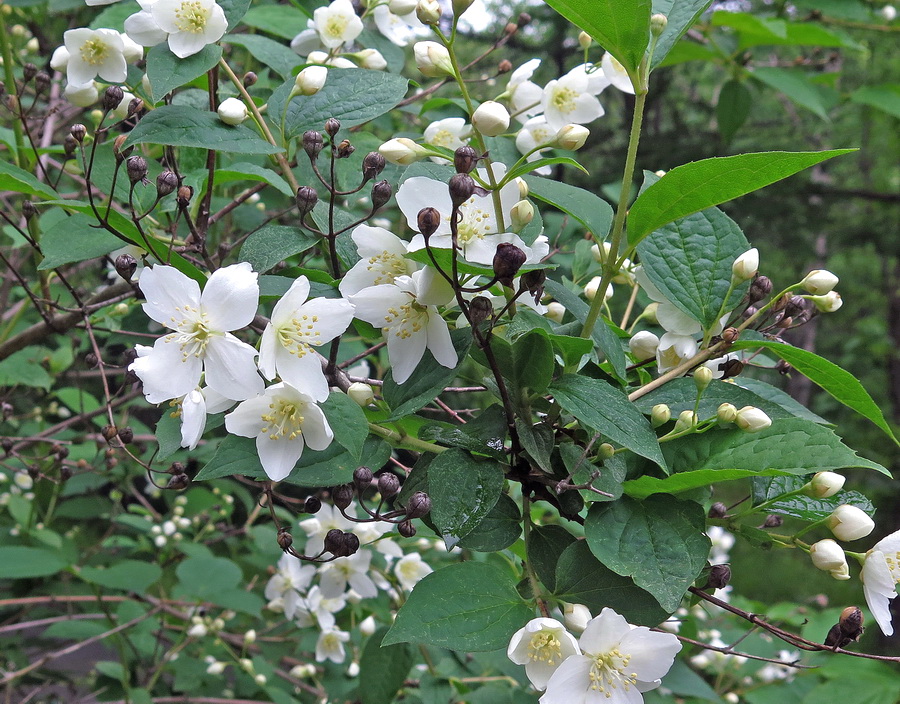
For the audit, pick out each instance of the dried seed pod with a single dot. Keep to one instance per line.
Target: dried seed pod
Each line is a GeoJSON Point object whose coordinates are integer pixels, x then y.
{"type": "Point", "coordinates": [249, 79]}
{"type": "Point", "coordinates": [465, 159]}
{"type": "Point", "coordinates": [381, 194]}
{"type": "Point", "coordinates": [284, 538]}
{"type": "Point", "coordinates": [312, 144]}
{"type": "Point", "coordinates": [388, 485]}
{"type": "Point", "coordinates": [461, 187]}
{"type": "Point", "coordinates": [373, 165]}
{"type": "Point", "coordinates": [112, 96]}
{"type": "Point", "coordinates": [166, 183]}
{"type": "Point", "coordinates": [178, 482]}
{"type": "Point", "coordinates": [306, 199]}
{"type": "Point", "coordinates": [719, 577]}
{"type": "Point", "coordinates": [344, 149]}
{"type": "Point", "coordinates": [508, 259]}
{"type": "Point", "coordinates": [312, 505]}
{"type": "Point", "coordinates": [428, 220]}
{"type": "Point", "coordinates": [362, 477]}
{"type": "Point", "coordinates": [480, 309]}
{"type": "Point", "coordinates": [342, 496]}
{"type": "Point", "coordinates": [406, 529]}
{"type": "Point", "coordinates": [419, 504]}
{"type": "Point", "coordinates": [126, 435]}
{"type": "Point", "coordinates": [78, 131]}
{"type": "Point", "coordinates": [136, 166]}
{"type": "Point", "coordinates": [332, 126]}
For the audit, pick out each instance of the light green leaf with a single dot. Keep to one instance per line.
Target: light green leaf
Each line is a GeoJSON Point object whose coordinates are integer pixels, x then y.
{"type": "Point", "coordinates": [268, 52]}
{"type": "Point", "coordinates": [128, 575]}
{"type": "Point", "coordinates": [25, 368]}
{"type": "Point", "coordinates": [884, 97]}
{"type": "Point", "coordinates": [590, 210]}
{"type": "Point", "coordinates": [469, 606]}
{"type": "Point", "coordinates": [182, 126]}
{"type": "Point", "coordinates": [602, 407]}
{"type": "Point", "coordinates": [251, 172]}
{"type": "Point", "coordinates": [74, 239]}
{"type": "Point", "coordinates": [645, 486]}
{"type": "Point", "coordinates": [274, 243]}
{"type": "Point", "coordinates": [166, 72]}
{"type": "Point", "coordinates": [702, 184]}
{"type": "Point", "coordinates": [12, 178]}
{"type": "Point", "coordinates": [622, 27]}
{"type": "Point", "coordinates": [797, 88]}
{"type": "Point", "coordinates": [348, 421]}
{"type": "Point", "coordinates": [773, 394]}
{"type": "Point", "coordinates": [285, 21]}
{"type": "Point", "coordinates": [530, 166]}
{"type": "Point", "coordinates": [382, 670]}
{"type": "Point", "coordinates": [17, 562]}
{"type": "Point", "coordinates": [681, 14]}
{"type": "Point", "coordinates": [732, 108]}
{"type": "Point", "coordinates": [801, 506]}
{"type": "Point", "coordinates": [499, 529]}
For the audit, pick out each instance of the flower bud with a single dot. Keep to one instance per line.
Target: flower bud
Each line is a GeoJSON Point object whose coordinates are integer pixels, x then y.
{"type": "Point", "coordinates": [660, 414]}
{"type": "Point", "coordinates": [388, 485]}
{"type": "Point", "coordinates": [428, 11]}
{"type": "Point", "coordinates": [217, 667]}
{"type": "Point", "coordinates": [312, 144]}
{"type": "Point", "coordinates": [433, 59]}
{"type": "Point", "coordinates": [686, 421]}
{"type": "Point", "coordinates": [460, 6]}
{"type": "Point", "coordinates": [249, 80]}
{"type": "Point", "coordinates": [703, 377]}
{"type": "Point", "coordinates": [889, 13]}
{"type": "Point", "coordinates": [371, 59]}
{"type": "Point", "coordinates": [402, 151]}
{"type": "Point", "coordinates": [584, 41]}
{"type": "Point", "coordinates": [593, 286]}
{"type": "Point", "coordinates": [367, 626]}
{"type": "Point", "coordinates": [576, 616]}
{"type": "Point", "coordinates": [136, 166]}
{"type": "Point", "coordinates": [306, 200]}
{"type": "Point", "coordinates": [521, 214]}
{"type": "Point", "coordinates": [284, 538]}
{"type": "Point", "coordinates": [334, 540]}
{"type": "Point", "coordinates": [301, 672]}
{"type": "Point", "coordinates": [428, 221]}
{"type": "Point", "coordinates": [112, 96]}
{"type": "Point", "coordinates": [402, 7]}
{"type": "Point", "coordinates": [260, 679]}
{"type": "Point", "coordinates": [381, 194]}
{"type": "Point", "coordinates": [312, 505]}
{"type": "Point", "coordinates": [332, 126]}
{"type": "Point", "coordinates": [361, 393]}
{"type": "Point", "coordinates": [745, 266]}
{"type": "Point", "coordinates": [726, 413]}
{"type": "Point", "coordinates": [250, 637]}
{"type": "Point", "coordinates": [342, 495]}
{"type": "Point", "coordinates": [606, 451]}
{"type": "Point", "coordinates": [572, 137]}
{"type": "Point", "coordinates": [829, 303]}
{"type": "Point", "coordinates": [828, 556]}
{"type": "Point", "coordinates": [198, 630]}
{"type": "Point", "coordinates": [508, 259]}
{"type": "Point", "coordinates": [373, 164]}
{"type": "Point", "coordinates": [849, 523]}
{"type": "Point", "coordinates": [78, 131]}
{"type": "Point", "coordinates": [819, 282]}
{"type": "Point", "coordinates": [490, 118]}
{"type": "Point", "coordinates": [717, 510]}
{"type": "Point", "coordinates": [70, 144]}
{"type": "Point", "coordinates": [643, 345]}
{"type": "Point", "coordinates": [232, 111]}
{"type": "Point", "coordinates": [419, 504]}
{"type": "Point", "coordinates": [556, 311]}
{"type": "Point", "coordinates": [185, 193]}
{"type": "Point", "coordinates": [178, 482]}
{"type": "Point", "coordinates": [309, 81]}
{"type": "Point", "coordinates": [824, 484]}
{"type": "Point", "coordinates": [752, 420]}
{"type": "Point", "coordinates": [362, 478]}
{"type": "Point", "coordinates": [406, 529]}
{"type": "Point", "coordinates": [461, 188]}
{"type": "Point", "coordinates": [465, 159]}
{"type": "Point", "coordinates": [658, 24]}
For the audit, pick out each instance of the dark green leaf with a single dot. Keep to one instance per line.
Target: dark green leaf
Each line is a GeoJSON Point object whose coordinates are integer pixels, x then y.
{"type": "Point", "coordinates": [499, 529]}
{"type": "Point", "coordinates": [533, 359]}
{"type": "Point", "coordinates": [607, 477]}
{"type": "Point", "coordinates": [348, 422]}
{"type": "Point", "coordinates": [537, 440]}
{"type": "Point", "coordinates": [801, 506]}
{"type": "Point", "coordinates": [884, 97]}
{"type": "Point", "coordinates": [530, 166]}
{"type": "Point", "coordinates": [794, 84]}
{"type": "Point", "coordinates": [274, 243]}
{"type": "Point", "coordinates": [778, 397]}
{"type": "Point", "coordinates": [732, 108]}
{"type": "Point", "coordinates": [12, 178]}
{"type": "Point", "coordinates": [74, 239]}
{"type": "Point", "coordinates": [470, 606]}
{"type": "Point", "coordinates": [382, 670]}
{"type": "Point", "coordinates": [285, 21]}
{"type": "Point", "coordinates": [680, 15]}
{"type": "Point", "coordinates": [166, 72]}
{"type": "Point", "coordinates": [251, 172]}
{"type": "Point", "coordinates": [18, 562]}
{"type": "Point", "coordinates": [545, 546]}
{"type": "Point", "coordinates": [128, 575]}
{"type": "Point", "coordinates": [168, 435]}
{"type": "Point", "coordinates": [234, 11]}
{"type": "Point", "coordinates": [268, 52]}
{"type": "Point", "coordinates": [590, 210]}
{"type": "Point", "coordinates": [484, 435]}
{"type": "Point", "coordinates": [689, 480]}
{"type": "Point", "coordinates": [25, 368]}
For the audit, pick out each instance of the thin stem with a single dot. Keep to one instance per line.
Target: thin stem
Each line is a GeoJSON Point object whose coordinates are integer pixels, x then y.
{"type": "Point", "coordinates": [11, 87]}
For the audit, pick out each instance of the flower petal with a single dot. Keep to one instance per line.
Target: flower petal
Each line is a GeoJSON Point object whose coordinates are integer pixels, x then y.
{"type": "Point", "coordinates": [193, 419]}
{"type": "Point", "coordinates": [304, 373]}
{"type": "Point", "coordinates": [231, 297]}
{"type": "Point", "coordinates": [230, 368]}
{"type": "Point", "coordinates": [405, 353]}
{"type": "Point", "coordinates": [439, 341]}
{"type": "Point", "coordinates": [316, 431]}
{"type": "Point", "coordinates": [247, 419]}
{"type": "Point", "coordinates": [278, 456]}
{"type": "Point", "coordinates": [294, 298]}
{"type": "Point", "coordinates": [570, 683]}
{"type": "Point", "coordinates": [165, 373]}
{"type": "Point", "coordinates": [167, 291]}
{"type": "Point", "coordinates": [652, 653]}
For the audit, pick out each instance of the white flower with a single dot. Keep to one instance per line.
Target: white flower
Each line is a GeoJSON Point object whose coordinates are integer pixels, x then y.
{"type": "Point", "coordinates": [132, 51]}
{"type": "Point", "coordinates": [849, 522]}
{"type": "Point", "coordinates": [410, 569]}
{"type": "Point", "coordinates": [337, 24]}
{"type": "Point", "coordinates": [291, 578]}
{"type": "Point", "coordinates": [336, 575]}
{"type": "Point", "coordinates": [330, 645]}
{"type": "Point", "coordinates": [201, 341]}
{"type": "Point", "coordinates": [568, 100]}
{"type": "Point", "coordinates": [406, 313]}
{"type": "Point", "coordinates": [60, 58]}
{"type": "Point", "coordinates": [880, 576]}
{"type": "Point", "coordinates": [317, 527]}
{"type": "Point", "coordinates": [450, 133]}
{"type": "Point", "coordinates": [306, 41]}
{"type": "Point", "coordinates": [402, 150]}
{"type": "Point", "coordinates": [368, 626]}
{"type": "Point", "coordinates": [371, 59]}
{"type": "Point", "coordinates": [819, 282]}
{"type": "Point", "coordinates": [316, 609]}
{"type": "Point", "coordinates": [399, 27]}
{"type": "Point", "coordinates": [310, 80]}
{"type": "Point", "coordinates": [643, 345]}
{"type": "Point", "coordinates": [490, 118]}
{"type": "Point", "coordinates": [829, 303]}
{"type": "Point", "coordinates": [773, 671]}
{"type": "Point", "coordinates": [433, 59]}
{"type": "Point", "coordinates": [745, 266]}
{"type": "Point", "coordinates": [541, 646]}
{"type": "Point", "coordinates": [616, 74]}
{"type": "Point", "coordinates": [296, 327]}
{"type": "Point", "coordinates": [142, 28]}
{"type": "Point", "coordinates": [535, 133]}
{"type": "Point", "coordinates": [94, 52]}
{"type": "Point", "coordinates": [524, 95]}
{"type": "Point", "coordinates": [618, 663]}
{"type": "Point", "coordinates": [283, 420]}
{"type": "Point", "coordinates": [193, 409]}
{"type": "Point", "coordinates": [82, 96]}
{"type": "Point", "coordinates": [829, 557]}
{"type": "Point", "coordinates": [190, 24]}
{"type": "Point", "coordinates": [382, 260]}
{"type": "Point", "coordinates": [232, 111]}
{"type": "Point", "coordinates": [673, 349]}
{"type": "Point", "coordinates": [751, 419]}
{"type": "Point", "coordinates": [721, 543]}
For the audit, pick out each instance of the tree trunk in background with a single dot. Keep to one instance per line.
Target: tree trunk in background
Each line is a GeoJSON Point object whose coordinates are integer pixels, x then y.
{"type": "Point", "coordinates": [892, 293]}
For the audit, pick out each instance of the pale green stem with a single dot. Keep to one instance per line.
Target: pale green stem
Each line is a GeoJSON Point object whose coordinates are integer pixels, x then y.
{"type": "Point", "coordinates": [11, 88]}
{"type": "Point", "coordinates": [402, 440]}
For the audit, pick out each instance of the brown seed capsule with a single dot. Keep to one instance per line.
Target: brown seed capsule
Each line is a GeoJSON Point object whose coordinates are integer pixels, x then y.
{"type": "Point", "coordinates": [28, 210]}
{"type": "Point", "coordinates": [848, 628]}
{"type": "Point", "coordinates": [136, 166]}
{"type": "Point", "coordinates": [91, 360]}
{"type": "Point", "coordinates": [504, 66]}
{"type": "Point", "coordinates": [783, 367]}
{"type": "Point", "coordinates": [70, 144]}
{"type": "Point", "coordinates": [373, 165]}
{"type": "Point", "coordinates": [351, 544]}
{"type": "Point", "coordinates": [306, 199]}
{"type": "Point", "coordinates": [312, 505]}
{"type": "Point", "coordinates": [65, 473]}
{"type": "Point", "coordinates": [388, 485]}
{"type": "Point", "coordinates": [166, 183]}
{"type": "Point", "coordinates": [334, 540]}
{"type": "Point", "coordinates": [126, 435]}
{"type": "Point", "coordinates": [511, 28]}
{"type": "Point", "coordinates": [312, 144]}
{"type": "Point", "coordinates": [332, 126]}
{"type": "Point", "coordinates": [732, 368]}
{"type": "Point", "coordinates": [772, 521]}
{"type": "Point", "coordinates": [428, 221]}
{"type": "Point", "coordinates": [730, 335]}
{"type": "Point", "coordinates": [61, 451]}
{"type": "Point", "coordinates": [78, 131]}
{"type": "Point", "coordinates": [7, 445]}
{"type": "Point", "coordinates": [344, 149]}
{"type": "Point", "coordinates": [178, 482]}
{"type": "Point", "coordinates": [523, 19]}
{"type": "Point", "coordinates": [406, 529]}
{"type": "Point", "coordinates": [795, 306]}
{"type": "Point", "coordinates": [419, 504]}
{"type": "Point", "coordinates": [717, 510]}
{"type": "Point", "coordinates": [719, 577]}
{"type": "Point", "coordinates": [508, 259]}
{"type": "Point", "coordinates": [760, 288]}
{"type": "Point", "coordinates": [461, 187]}
{"type": "Point", "coordinates": [29, 71]}
{"type": "Point", "coordinates": [342, 495]}
{"type": "Point", "coordinates": [533, 282]}
{"type": "Point", "coordinates": [185, 193]}
{"type": "Point", "coordinates": [284, 538]}
{"type": "Point", "coordinates": [465, 159]}
{"type": "Point", "coordinates": [249, 79]}
{"type": "Point", "coordinates": [109, 432]}
{"type": "Point", "coordinates": [118, 152]}
{"type": "Point", "coordinates": [112, 96]}
{"type": "Point", "coordinates": [41, 82]}
{"type": "Point", "coordinates": [480, 309]}
{"type": "Point", "coordinates": [135, 107]}
{"type": "Point", "coordinates": [362, 477]}
{"type": "Point", "coordinates": [381, 194]}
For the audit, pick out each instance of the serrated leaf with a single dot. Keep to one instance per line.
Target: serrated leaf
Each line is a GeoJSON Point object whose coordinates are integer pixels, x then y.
{"type": "Point", "coordinates": [470, 606]}
{"type": "Point", "coordinates": [18, 562]}
{"type": "Point", "coordinates": [74, 239]}
{"type": "Point", "coordinates": [680, 15]}
{"type": "Point", "coordinates": [128, 575]}
{"type": "Point", "coordinates": [657, 542]}
{"type": "Point", "coordinates": [545, 546]}
{"type": "Point", "coordinates": [499, 529]}
{"type": "Point", "coordinates": [463, 491]}
{"type": "Point", "coordinates": [732, 108]}
{"type": "Point", "coordinates": [268, 52]}
{"type": "Point", "coordinates": [801, 506]}
{"type": "Point", "coordinates": [348, 422]}
{"type": "Point", "coordinates": [274, 243]}
{"type": "Point", "coordinates": [582, 579]}
{"type": "Point", "coordinates": [604, 408]}
{"type": "Point", "coordinates": [182, 126]}
{"type": "Point", "coordinates": [774, 395]}
{"type": "Point", "coordinates": [382, 670]}
{"type": "Point", "coordinates": [12, 178]}
{"type": "Point", "coordinates": [590, 210]}
{"type": "Point", "coordinates": [698, 185]}
{"type": "Point", "coordinates": [166, 72]}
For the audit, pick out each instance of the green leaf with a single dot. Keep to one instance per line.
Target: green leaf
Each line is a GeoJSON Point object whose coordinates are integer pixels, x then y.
{"type": "Point", "coordinates": [602, 407]}
{"type": "Point", "coordinates": [166, 72]}
{"type": "Point", "coordinates": [348, 422]}
{"type": "Point", "coordinates": [25, 368]}
{"type": "Point", "coordinates": [582, 579]}
{"type": "Point", "coordinates": [775, 395]}
{"type": "Point", "coordinates": [590, 210]}
{"type": "Point", "coordinates": [885, 97]}
{"type": "Point", "coordinates": [657, 542]}
{"type": "Point", "coordinates": [790, 446]}
{"type": "Point", "coordinates": [533, 359]}
{"type": "Point", "coordinates": [689, 260]}
{"type": "Point", "coordinates": [383, 670]}
{"type": "Point", "coordinates": [182, 126]}
{"type": "Point", "coordinates": [426, 382]}
{"type": "Point", "coordinates": [545, 546]}
{"type": "Point", "coordinates": [234, 10]}
{"type": "Point", "coordinates": [352, 95]}
{"type": "Point", "coordinates": [463, 491]}
{"type": "Point", "coordinates": [202, 577]}
{"type": "Point", "coordinates": [794, 84]}
{"type": "Point", "coordinates": [702, 184]}
{"type": "Point", "coordinates": [18, 562]}
{"type": "Point", "coordinates": [168, 435]}
{"type": "Point", "coordinates": [484, 435]}
{"type": "Point", "coordinates": [75, 239]}
{"type": "Point", "coordinates": [622, 27]}
{"type": "Point", "coordinates": [268, 52]}
{"type": "Point", "coordinates": [444, 259]}
{"type": "Point", "coordinates": [283, 21]}
{"type": "Point", "coordinates": [12, 178]}
{"type": "Point", "coordinates": [128, 575]}
{"type": "Point", "coordinates": [469, 606]}
{"type": "Point", "coordinates": [251, 172]}
{"type": "Point", "coordinates": [680, 15]}
{"type": "Point", "coordinates": [645, 486]}
{"type": "Point", "coordinates": [732, 108]}
{"type": "Point", "coordinates": [801, 506]}
{"type": "Point", "coordinates": [841, 384]}
{"type": "Point", "coordinates": [499, 529]}
{"type": "Point", "coordinates": [537, 441]}
{"type": "Point", "coordinates": [530, 166]}
{"type": "Point", "coordinates": [274, 243]}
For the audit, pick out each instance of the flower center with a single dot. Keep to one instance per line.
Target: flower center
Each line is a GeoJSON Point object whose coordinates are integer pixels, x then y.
{"type": "Point", "coordinates": [191, 17]}
{"type": "Point", "coordinates": [297, 335]}
{"type": "Point", "coordinates": [285, 418]}
{"type": "Point", "coordinates": [542, 135]}
{"type": "Point", "coordinates": [443, 138]}
{"type": "Point", "coordinates": [389, 267]}
{"type": "Point", "coordinates": [94, 51]}
{"type": "Point", "coordinates": [893, 563]}
{"type": "Point", "coordinates": [335, 26]}
{"type": "Point", "coordinates": [564, 99]}
{"type": "Point", "coordinates": [474, 225]}
{"type": "Point", "coordinates": [544, 646]}
{"type": "Point", "coordinates": [194, 332]}
{"type": "Point", "coordinates": [608, 672]}
{"type": "Point", "coordinates": [406, 321]}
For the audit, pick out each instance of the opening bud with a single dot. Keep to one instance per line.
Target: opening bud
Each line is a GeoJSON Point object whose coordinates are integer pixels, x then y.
{"type": "Point", "coordinates": [745, 266]}
{"type": "Point", "coordinates": [465, 159]}
{"type": "Point", "coordinates": [402, 151]}
{"type": "Point", "coordinates": [703, 377]}
{"type": "Point", "coordinates": [310, 81]}
{"type": "Point", "coordinates": [643, 345]}
{"type": "Point", "coordinates": [658, 24]}
{"type": "Point", "coordinates": [660, 414]}
{"type": "Point", "coordinates": [361, 393]}
{"type": "Point", "coordinates": [829, 303]}
{"type": "Point", "coordinates": [584, 41]}
{"type": "Point", "coordinates": [373, 164]}
{"type": "Point", "coordinates": [136, 166]}
{"type": "Point", "coordinates": [428, 11]}
{"type": "Point", "coordinates": [306, 200]}
{"type": "Point", "coordinates": [521, 214]}
{"type": "Point", "coordinates": [752, 420]}
{"type": "Point", "coordinates": [849, 523]}
{"type": "Point", "coordinates": [342, 495]}
{"type": "Point", "coordinates": [556, 311]}
{"type": "Point", "coordinates": [491, 118]}
{"type": "Point", "coordinates": [381, 194]}
{"type": "Point", "coordinates": [829, 557]}
{"type": "Point", "coordinates": [726, 413]}
{"type": "Point", "coordinates": [686, 421]}
{"type": "Point", "coordinates": [819, 282]}
{"type": "Point", "coordinates": [433, 59]}
{"type": "Point", "coordinates": [572, 137]}
{"type": "Point", "coordinates": [388, 485]}
{"type": "Point", "coordinates": [419, 504]}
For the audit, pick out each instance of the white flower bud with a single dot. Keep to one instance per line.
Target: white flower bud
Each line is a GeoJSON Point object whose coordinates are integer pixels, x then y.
{"type": "Point", "coordinates": [523, 188]}
{"type": "Point", "coordinates": [745, 266]}
{"type": "Point", "coordinates": [521, 214]}
{"type": "Point", "coordinates": [824, 484]}
{"type": "Point", "coordinates": [572, 137]}
{"type": "Point", "coordinates": [82, 96]}
{"type": "Point", "coordinates": [686, 420]}
{"type": "Point", "coordinates": [555, 311]}
{"type": "Point", "coordinates": [250, 637]}
{"type": "Point", "coordinates": [198, 630]}
{"type": "Point", "coordinates": [367, 626]}
{"type": "Point", "coordinates": [828, 556]}
{"type": "Point", "coordinates": [310, 80]}
{"type": "Point", "coordinates": [751, 419]}
{"type": "Point", "coordinates": [371, 59]}
{"type": "Point", "coordinates": [428, 12]}
{"type": "Point", "coordinates": [361, 393]}
{"type": "Point", "coordinates": [726, 413]}
{"type": "Point", "coordinates": [169, 528]}
{"type": "Point", "coordinates": [889, 13]}
{"type": "Point", "coordinates": [353, 670]}
{"type": "Point", "coordinates": [60, 59]}
{"type": "Point", "coordinates": [660, 414]}
{"type": "Point", "coordinates": [649, 313]}
{"type": "Point", "coordinates": [246, 664]}
{"type": "Point", "coordinates": [301, 672]}
{"type": "Point", "coordinates": [584, 41]}
{"type": "Point", "coordinates": [819, 282]}
{"type": "Point", "coordinates": [598, 254]}
{"type": "Point", "coordinates": [215, 668]}
{"type": "Point", "coordinates": [829, 303]}
{"type": "Point", "coordinates": [160, 541]}
{"type": "Point", "coordinates": [23, 480]}
{"type": "Point", "coordinates": [643, 345]}
{"type": "Point", "coordinates": [703, 377]}
{"type": "Point", "coordinates": [593, 286]}
{"type": "Point", "coordinates": [402, 151]}
{"type": "Point", "coordinates": [402, 7]}
{"type": "Point", "coordinates": [460, 6]}
{"type": "Point", "coordinates": [260, 679]}
{"type": "Point", "coordinates": [490, 118]}
{"type": "Point", "coordinates": [849, 523]}
{"type": "Point", "coordinates": [658, 24]}
{"type": "Point", "coordinates": [433, 59]}
{"type": "Point", "coordinates": [576, 616]}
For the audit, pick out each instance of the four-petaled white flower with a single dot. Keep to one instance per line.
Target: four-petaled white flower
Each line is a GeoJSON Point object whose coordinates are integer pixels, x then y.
{"type": "Point", "coordinates": [568, 99]}
{"type": "Point", "coordinates": [410, 569]}
{"type": "Point", "coordinates": [617, 663]}
{"type": "Point", "coordinates": [316, 609]}
{"type": "Point", "coordinates": [190, 24]}
{"type": "Point", "coordinates": [297, 326]}
{"type": "Point", "coordinates": [450, 133]}
{"type": "Point", "coordinates": [408, 317]}
{"type": "Point", "coordinates": [382, 260]}
{"type": "Point", "coordinates": [880, 576]}
{"type": "Point", "coordinates": [283, 420]}
{"type": "Point", "coordinates": [337, 24]}
{"type": "Point", "coordinates": [94, 52]}
{"type": "Point", "coordinates": [201, 342]}
{"type": "Point", "coordinates": [336, 575]}
{"type": "Point", "coordinates": [330, 645]}
{"type": "Point", "coordinates": [524, 95]}
{"type": "Point", "coordinates": [541, 646]}
{"type": "Point", "coordinates": [292, 578]}
{"type": "Point", "coordinates": [142, 28]}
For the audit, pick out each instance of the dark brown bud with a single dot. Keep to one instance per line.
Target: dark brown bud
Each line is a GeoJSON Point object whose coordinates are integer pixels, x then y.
{"type": "Point", "coordinates": [41, 82]}
{"type": "Point", "coordinates": [848, 628]}
{"type": "Point", "coordinates": [428, 221]}
{"type": "Point", "coordinates": [523, 19]}
{"type": "Point", "coordinates": [465, 159]}
{"type": "Point", "coordinates": [29, 71]}
{"type": "Point", "coordinates": [344, 149]}
{"type": "Point", "coordinates": [61, 451]}
{"type": "Point", "coordinates": [126, 435]}
{"type": "Point", "coordinates": [185, 193]}
{"type": "Point", "coordinates": [760, 288]}
{"type": "Point", "coordinates": [342, 495]}
{"type": "Point", "coordinates": [119, 153]}
{"type": "Point", "coordinates": [70, 144]}
{"type": "Point", "coordinates": [749, 312]}
{"type": "Point", "coordinates": [419, 504]}
{"type": "Point", "coordinates": [480, 309]}
{"type": "Point", "coordinates": [332, 126]}
{"type": "Point", "coordinates": [91, 360]}
{"type": "Point", "coordinates": [373, 165]}
{"type": "Point", "coordinates": [126, 265]}
{"type": "Point", "coordinates": [462, 186]}
{"type": "Point", "coordinates": [717, 510]}
{"type": "Point", "coordinates": [351, 544]}
{"type": "Point", "coordinates": [28, 210]}
{"type": "Point", "coordinates": [783, 367]}
{"type": "Point", "coordinates": [730, 335]}
{"type": "Point", "coordinates": [795, 306]}
{"type": "Point", "coordinates": [65, 473]}
{"type": "Point", "coordinates": [306, 200]}
{"type": "Point", "coordinates": [135, 107]}
{"type": "Point", "coordinates": [7, 445]}
{"type": "Point", "coordinates": [719, 577]}
{"type": "Point", "coordinates": [312, 144]}
{"type": "Point", "coordinates": [250, 79]}
{"type": "Point", "coordinates": [504, 66]}
{"type": "Point", "coordinates": [732, 368]}
{"type": "Point", "coordinates": [334, 540]}
{"type": "Point", "coordinates": [166, 183]}
{"type": "Point", "coordinates": [284, 538]}
{"type": "Point", "coordinates": [109, 432]}
{"type": "Point", "coordinates": [533, 282]}
{"type": "Point", "coordinates": [112, 96]}
{"type": "Point", "coordinates": [388, 485]}
{"type": "Point", "coordinates": [507, 261]}
{"type": "Point", "coordinates": [136, 166]}
{"type": "Point", "coordinates": [362, 477]}
{"type": "Point", "coordinates": [312, 505]}
{"type": "Point", "coordinates": [406, 529]}
{"type": "Point", "coordinates": [511, 28]}
{"type": "Point", "coordinates": [772, 521]}
{"type": "Point", "coordinates": [78, 131]}
{"type": "Point", "coordinates": [178, 482]}
{"type": "Point", "coordinates": [176, 468]}
{"type": "Point", "coordinates": [381, 194]}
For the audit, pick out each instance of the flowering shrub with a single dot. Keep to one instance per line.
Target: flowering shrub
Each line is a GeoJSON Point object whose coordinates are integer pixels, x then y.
{"type": "Point", "coordinates": [370, 431]}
